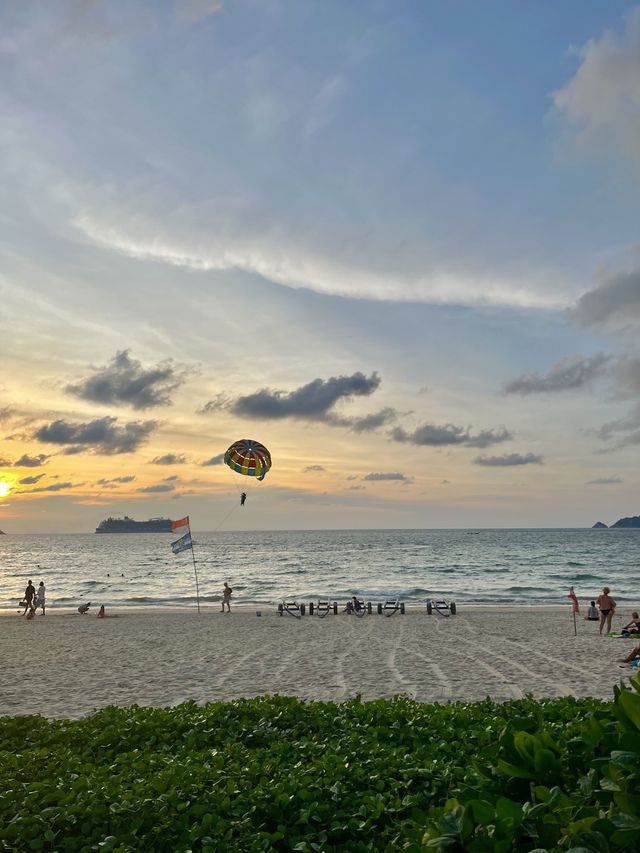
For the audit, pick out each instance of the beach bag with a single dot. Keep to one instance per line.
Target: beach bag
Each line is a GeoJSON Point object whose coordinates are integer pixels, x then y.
{"type": "Point", "coordinates": [22, 603]}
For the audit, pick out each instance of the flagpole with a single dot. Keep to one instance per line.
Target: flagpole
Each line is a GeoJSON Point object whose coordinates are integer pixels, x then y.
{"type": "Point", "coordinates": [575, 608]}
{"type": "Point", "coordinates": [182, 545]}
{"type": "Point", "coordinates": [195, 571]}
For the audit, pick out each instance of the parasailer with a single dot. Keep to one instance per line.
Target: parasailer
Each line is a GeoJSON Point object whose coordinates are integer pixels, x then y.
{"type": "Point", "coordinates": [248, 457]}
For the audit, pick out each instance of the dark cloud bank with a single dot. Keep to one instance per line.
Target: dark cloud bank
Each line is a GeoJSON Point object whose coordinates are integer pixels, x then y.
{"type": "Point", "coordinates": [124, 381]}
{"type": "Point", "coordinates": [102, 436]}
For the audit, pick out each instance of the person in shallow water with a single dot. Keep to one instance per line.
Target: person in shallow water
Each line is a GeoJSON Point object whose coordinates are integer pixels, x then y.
{"type": "Point", "coordinates": [243, 498]}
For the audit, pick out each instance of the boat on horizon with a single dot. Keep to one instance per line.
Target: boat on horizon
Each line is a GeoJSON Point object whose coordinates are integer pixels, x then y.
{"type": "Point", "coordinates": [130, 525]}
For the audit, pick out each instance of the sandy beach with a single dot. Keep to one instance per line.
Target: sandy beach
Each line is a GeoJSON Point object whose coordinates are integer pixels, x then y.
{"type": "Point", "coordinates": [64, 665]}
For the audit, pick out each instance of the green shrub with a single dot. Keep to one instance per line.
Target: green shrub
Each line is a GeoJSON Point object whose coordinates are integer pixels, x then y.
{"type": "Point", "coordinates": [277, 774]}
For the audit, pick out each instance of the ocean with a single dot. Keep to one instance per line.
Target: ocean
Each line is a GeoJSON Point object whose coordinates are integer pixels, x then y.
{"type": "Point", "coordinates": [265, 567]}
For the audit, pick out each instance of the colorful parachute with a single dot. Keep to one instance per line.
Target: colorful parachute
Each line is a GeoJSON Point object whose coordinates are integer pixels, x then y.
{"type": "Point", "coordinates": [248, 457]}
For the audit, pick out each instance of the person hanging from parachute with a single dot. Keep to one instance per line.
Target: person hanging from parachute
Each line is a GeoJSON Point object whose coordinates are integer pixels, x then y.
{"type": "Point", "coordinates": [249, 458]}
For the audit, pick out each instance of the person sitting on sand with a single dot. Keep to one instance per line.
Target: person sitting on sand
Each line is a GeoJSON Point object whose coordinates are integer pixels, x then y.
{"type": "Point", "coordinates": [592, 613]}
{"type": "Point", "coordinates": [353, 606]}
{"type": "Point", "coordinates": [607, 607]}
{"type": "Point", "coordinates": [633, 658]}
{"type": "Point", "coordinates": [83, 608]}
{"type": "Point", "coordinates": [632, 627]}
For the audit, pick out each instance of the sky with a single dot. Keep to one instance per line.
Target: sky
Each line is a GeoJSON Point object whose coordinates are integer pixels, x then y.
{"type": "Point", "coordinates": [395, 241]}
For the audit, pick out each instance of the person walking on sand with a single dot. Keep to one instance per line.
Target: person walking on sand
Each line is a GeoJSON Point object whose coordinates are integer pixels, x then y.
{"type": "Point", "coordinates": [607, 605]}
{"type": "Point", "coordinates": [40, 597]}
{"type": "Point", "coordinates": [226, 597]}
{"type": "Point", "coordinates": [29, 595]}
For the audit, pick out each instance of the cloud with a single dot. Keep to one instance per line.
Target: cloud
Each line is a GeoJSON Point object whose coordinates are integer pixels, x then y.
{"type": "Point", "coordinates": [214, 460]}
{"type": "Point", "coordinates": [613, 304]}
{"type": "Point", "coordinates": [100, 436]}
{"type": "Point", "coordinates": [604, 481]}
{"type": "Point", "coordinates": [311, 402]}
{"type": "Point", "coordinates": [27, 461]}
{"type": "Point", "coordinates": [129, 478]}
{"type": "Point", "coordinates": [125, 382]}
{"type": "Point", "coordinates": [371, 422]}
{"type": "Point", "coordinates": [629, 424]}
{"type": "Point", "coordinates": [196, 10]}
{"type": "Point", "coordinates": [311, 468]}
{"type": "Point", "coordinates": [431, 435]}
{"type": "Point", "coordinates": [626, 374]}
{"type": "Point", "coordinates": [30, 481]}
{"type": "Point", "coordinates": [296, 265]}
{"type": "Point", "coordinates": [6, 413]}
{"type": "Point", "coordinates": [387, 476]}
{"type": "Point", "coordinates": [170, 459]}
{"type": "Point", "coordinates": [600, 103]}
{"type": "Point", "coordinates": [568, 375]}
{"type": "Point", "coordinates": [508, 460]}
{"type": "Point", "coordinates": [4, 462]}
{"type": "Point", "coordinates": [55, 487]}
{"type": "Point", "coordinates": [159, 487]}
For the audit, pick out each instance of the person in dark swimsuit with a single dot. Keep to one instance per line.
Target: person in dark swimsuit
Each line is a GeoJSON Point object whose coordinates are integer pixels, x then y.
{"type": "Point", "coordinates": [607, 607]}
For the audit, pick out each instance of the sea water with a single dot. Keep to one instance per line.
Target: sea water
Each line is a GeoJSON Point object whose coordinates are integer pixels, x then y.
{"type": "Point", "coordinates": [264, 567]}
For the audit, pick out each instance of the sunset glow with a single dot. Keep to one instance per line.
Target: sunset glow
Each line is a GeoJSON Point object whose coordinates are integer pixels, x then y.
{"type": "Point", "coordinates": [403, 257]}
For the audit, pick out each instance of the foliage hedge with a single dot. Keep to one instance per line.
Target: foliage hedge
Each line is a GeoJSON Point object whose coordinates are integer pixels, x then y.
{"type": "Point", "coordinates": [278, 774]}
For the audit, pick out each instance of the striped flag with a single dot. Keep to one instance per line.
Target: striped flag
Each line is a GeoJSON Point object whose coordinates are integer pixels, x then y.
{"type": "Point", "coordinates": [182, 544]}
{"type": "Point", "coordinates": [181, 522]}
{"type": "Point", "coordinates": [574, 601]}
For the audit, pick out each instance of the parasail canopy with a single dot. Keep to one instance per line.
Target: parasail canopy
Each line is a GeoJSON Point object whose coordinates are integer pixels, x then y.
{"type": "Point", "coordinates": [248, 457]}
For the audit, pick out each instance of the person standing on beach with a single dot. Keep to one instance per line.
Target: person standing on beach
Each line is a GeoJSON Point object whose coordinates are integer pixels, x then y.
{"type": "Point", "coordinates": [29, 594]}
{"type": "Point", "coordinates": [40, 597]}
{"type": "Point", "coordinates": [226, 597]}
{"type": "Point", "coordinates": [607, 605]}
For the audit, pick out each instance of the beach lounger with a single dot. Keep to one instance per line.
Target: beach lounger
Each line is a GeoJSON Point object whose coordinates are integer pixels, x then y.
{"type": "Point", "coordinates": [392, 606]}
{"type": "Point", "coordinates": [323, 608]}
{"type": "Point", "coordinates": [441, 607]}
{"type": "Point", "coordinates": [292, 608]}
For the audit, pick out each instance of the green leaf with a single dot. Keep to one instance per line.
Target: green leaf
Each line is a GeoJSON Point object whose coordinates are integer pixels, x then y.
{"type": "Point", "coordinates": [630, 704]}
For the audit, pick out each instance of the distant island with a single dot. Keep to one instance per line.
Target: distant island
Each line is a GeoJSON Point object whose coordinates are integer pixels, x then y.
{"type": "Point", "coordinates": [632, 521]}
{"type": "Point", "coordinates": [129, 525]}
